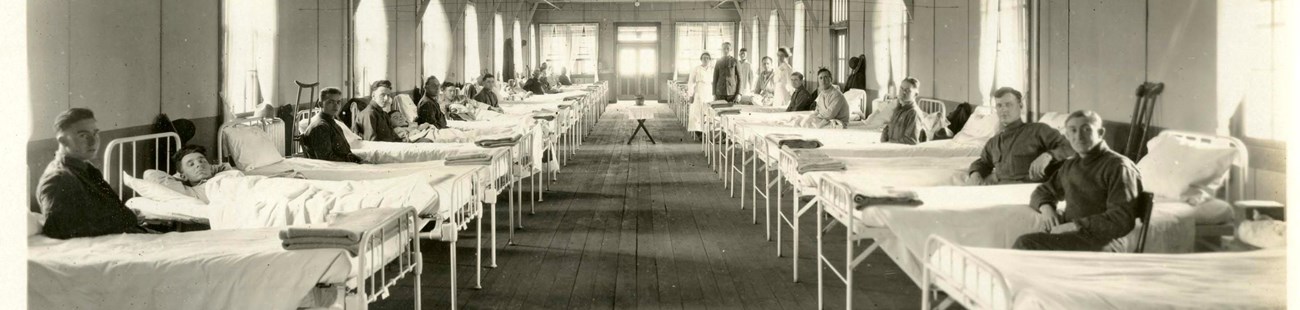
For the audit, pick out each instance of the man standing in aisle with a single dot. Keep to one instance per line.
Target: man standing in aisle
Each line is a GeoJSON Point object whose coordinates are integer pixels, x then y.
{"type": "Point", "coordinates": [746, 72]}
{"type": "Point", "coordinates": [726, 76]}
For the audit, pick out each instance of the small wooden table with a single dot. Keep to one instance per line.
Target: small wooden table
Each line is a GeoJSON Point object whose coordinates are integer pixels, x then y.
{"type": "Point", "coordinates": [640, 114]}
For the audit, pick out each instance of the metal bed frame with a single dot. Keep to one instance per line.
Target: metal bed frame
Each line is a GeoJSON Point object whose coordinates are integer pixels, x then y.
{"type": "Point", "coordinates": [470, 210]}
{"type": "Point", "coordinates": [372, 287]}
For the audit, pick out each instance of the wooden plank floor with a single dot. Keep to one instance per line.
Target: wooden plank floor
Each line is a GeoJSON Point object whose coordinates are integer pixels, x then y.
{"type": "Point", "coordinates": [646, 226]}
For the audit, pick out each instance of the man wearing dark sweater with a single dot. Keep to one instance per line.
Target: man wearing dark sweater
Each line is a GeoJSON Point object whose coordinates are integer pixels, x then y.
{"type": "Point", "coordinates": [73, 195]}
{"type": "Point", "coordinates": [904, 127]}
{"type": "Point", "coordinates": [372, 122]}
{"type": "Point", "coordinates": [429, 111]}
{"type": "Point", "coordinates": [802, 99]}
{"type": "Point", "coordinates": [324, 139]}
{"type": "Point", "coordinates": [1021, 152]}
{"type": "Point", "coordinates": [488, 95]}
{"type": "Point", "coordinates": [1100, 187]}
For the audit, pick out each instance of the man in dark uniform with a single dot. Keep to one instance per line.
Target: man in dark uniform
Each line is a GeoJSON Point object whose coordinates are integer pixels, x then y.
{"type": "Point", "coordinates": [72, 193]}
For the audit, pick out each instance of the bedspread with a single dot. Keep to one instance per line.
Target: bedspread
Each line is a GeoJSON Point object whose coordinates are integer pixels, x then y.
{"type": "Point", "coordinates": [226, 269]}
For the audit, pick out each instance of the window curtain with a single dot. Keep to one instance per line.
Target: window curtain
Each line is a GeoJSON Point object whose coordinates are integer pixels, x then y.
{"type": "Point", "coordinates": [799, 17]}
{"type": "Point", "coordinates": [435, 28]}
{"type": "Point", "coordinates": [532, 48]}
{"type": "Point", "coordinates": [772, 37]}
{"type": "Point", "coordinates": [249, 52]}
{"type": "Point", "coordinates": [372, 44]}
{"type": "Point", "coordinates": [1003, 46]}
{"type": "Point", "coordinates": [889, 49]}
{"type": "Point", "coordinates": [498, 45]}
{"type": "Point", "coordinates": [471, 61]}
{"type": "Point", "coordinates": [754, 56]}
{"type": "Point", "coordinates": [517, 48]}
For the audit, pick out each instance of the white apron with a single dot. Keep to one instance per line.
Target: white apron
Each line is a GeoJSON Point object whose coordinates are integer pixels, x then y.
{"type": "Point", "coordinates": [702, 84]}
{"type": "Point", "coordinates": [781, 83]}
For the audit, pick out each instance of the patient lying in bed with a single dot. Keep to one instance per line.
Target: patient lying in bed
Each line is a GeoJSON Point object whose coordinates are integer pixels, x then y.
{"type": "Point", "coordinates": [194, 171]}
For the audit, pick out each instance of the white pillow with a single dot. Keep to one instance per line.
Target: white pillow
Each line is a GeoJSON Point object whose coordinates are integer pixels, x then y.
{"type": "Point", "coordinates": [1214, 211]}
{"type": "Point", "coordinates": [158, 192]}
{"type": "Point", "coordinates": [353, 138]}
{"type": "Point", "coordinates": [1055, 120]}
{"type": "Point", "coordinates": [981, 126]}
{"type": "Point", "coordinates": [1185, 170]}
{"type": "Point", "coordinates": [34, 223]}
{"type": "Point", "coordinates": [880, 116]}
{"type": "Point", "coordinates": [856, 98]}
{"type": "Point", "coordinates": [251, 148]}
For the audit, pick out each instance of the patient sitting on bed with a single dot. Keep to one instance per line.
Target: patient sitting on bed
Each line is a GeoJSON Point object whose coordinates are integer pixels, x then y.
{"type": "Point", "coordinates": [194, 170]}
{"type": "Point", "coordinates": [409, 132]}
{"type": "Point", "coordinates": [1021, 152]}
{"type": "Point", "coordinates": [831, 106]}
{"type": "Point", "coordinates": [462, 108]}
{"type": "Point", "coordinates": [1100, 188]}
{"type": "Point", "coordinates": [904, 127]}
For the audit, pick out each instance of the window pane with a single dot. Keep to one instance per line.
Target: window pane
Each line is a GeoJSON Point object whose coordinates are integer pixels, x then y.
{"type": "Point", "coordinates": [627, 65]}
{"type": "Point", "coordinates": [638, 34]}
{"type": "Point", "coordinates": [647, 61]}
{"type": "Point", "coordinates": [569, 46]}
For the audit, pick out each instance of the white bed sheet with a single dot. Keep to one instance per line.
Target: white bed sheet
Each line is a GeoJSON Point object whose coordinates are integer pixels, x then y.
{"type": "Point", "coordinates": [865, 172]}
{"type": "Point", "coordinates": [1074, 280]}
{"type": "Point", "coordinates": [403, 152]}
{"type": "Point", "coordinates": [829, 137]}
{"type": "Point", "coordinates": [940, 148]}
{"type": "Point", "coordinates": [452, 187]}
{"type": "Point", "coordinates": [995, 216]}
{"type": "Point", "coordinates": [227, 269]}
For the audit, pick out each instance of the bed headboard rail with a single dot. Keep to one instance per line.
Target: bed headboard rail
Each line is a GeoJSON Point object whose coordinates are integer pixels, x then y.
{"type": "Point", "coordinates": [272, 126]}
{"type": "Point", "coordinates": [117, 159]}
{"type": "Point", "coordinates": [1240, 164]}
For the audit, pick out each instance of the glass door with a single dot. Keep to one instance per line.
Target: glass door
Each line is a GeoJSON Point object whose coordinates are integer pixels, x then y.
{"type": "Point", "coordinates": [638, 62]}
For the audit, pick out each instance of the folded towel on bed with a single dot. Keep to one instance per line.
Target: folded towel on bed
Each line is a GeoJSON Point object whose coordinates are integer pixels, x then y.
{"type": "Point", "coordinates": [886, 197]}
{"type": "Point", "coordinates": [720, 104]}
{"type": "Point", "coordinates": [549, 117]}
{"type": "Point", "coordinates": [778, 137]}
{"type": "Point", "coordinates": [351, 248]}
{"type": "Point", "coordinates": [800, 143]}
{"type": "Point", "coordinates": [346, 227]}
{"type": "Point", "coordinates": [499, 141]}
{"type": "Point", "coordinates": [469, 158]}
{"type": "Point", "coordinates": [728, 111]}
{"type": "Point", "coordinates": [810, 160]}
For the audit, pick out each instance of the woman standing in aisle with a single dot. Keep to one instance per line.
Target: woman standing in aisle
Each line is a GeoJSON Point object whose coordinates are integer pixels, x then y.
{"type": "Point", "coordinates": [781, 79]}
{"type": "Point", "coordinates": [701, 87]}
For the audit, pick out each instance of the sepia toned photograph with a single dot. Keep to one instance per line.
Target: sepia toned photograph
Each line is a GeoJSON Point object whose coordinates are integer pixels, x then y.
{"type": "Point", "coordinates": [648, 154]}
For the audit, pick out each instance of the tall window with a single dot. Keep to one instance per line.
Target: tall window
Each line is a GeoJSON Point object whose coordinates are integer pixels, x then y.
{"type": "Point", "coordinates": [372, 57]}
{"type": "Point", "coordinates": [517, 48]}
{"type": "Point", "coordinates": [571, 46]}
{"type": "Point", "coordinates": [1254, 79]}
{"type": "Point", "coordinates": [532, 47]}
{"type": "Point", "coordinates": [498, 45]}
{"type": "Point", "coordinates": [1004, 45]}
{"type": "Point", "coordinates": [435, 29]}
{"type": "Point", "coordinates": [754, 55]}
{"type": "Point", "coordinates": [248, 54]}
{"type": "Point", "coordinates": [693, 39]}
{"type": "Point", "coordinates": [637, 61]}
{"type": "Point", "coordinates": [799, 49]}
{"type": "Point", "coordinates": [471, 61]}
{"type": "Point", "coordinates": [839, 11]}
{"type": "Point", "coordinates": [841, 53]}
{"type": "Point", "coordinates": [889, 46]}
{"type": "Point", "coordinates": [772, 30]}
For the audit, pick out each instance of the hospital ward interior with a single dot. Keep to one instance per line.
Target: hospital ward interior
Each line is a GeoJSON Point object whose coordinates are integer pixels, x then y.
{"type": "Point", "coordinates": [648, 154]}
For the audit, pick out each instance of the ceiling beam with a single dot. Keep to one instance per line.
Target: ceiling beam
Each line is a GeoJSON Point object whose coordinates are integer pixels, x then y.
{"type": "Point", "coordinates": [548, 2]}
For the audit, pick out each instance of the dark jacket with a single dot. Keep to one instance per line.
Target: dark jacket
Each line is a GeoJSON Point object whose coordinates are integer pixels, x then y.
{"type": "Point", "coordinates": [428, 111]}
{"type": "Point", "coordinates": [77, 202]}
{"type": "Point", "coordinates": [375, 126]}
{"type": "Point", "coordinates": [802, 100]}
{"type": "Point", "coordinates": [324, 140]}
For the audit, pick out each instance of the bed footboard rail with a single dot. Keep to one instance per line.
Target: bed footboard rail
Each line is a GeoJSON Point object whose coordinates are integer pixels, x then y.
{"type": "Point", "coordinates": [967, 279]}
{"type": "Point", "coordinates": [378, 270]}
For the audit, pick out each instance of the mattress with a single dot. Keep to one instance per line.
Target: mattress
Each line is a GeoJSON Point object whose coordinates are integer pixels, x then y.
{"type": "Point", "coordinates": [892, 171]}
{"type": "Point", "coordinates": [939, 148]}
{"type": "Point", "coordinates": [454, 184]}
{"type": "Point", "coordinates": [995, 216]}
{"type": "Point", "coordinates": [218, 269]}
{"type": "Point", "coordinates": [403, 152]}
{"type": "Point", "coordinates": [1080, 280]}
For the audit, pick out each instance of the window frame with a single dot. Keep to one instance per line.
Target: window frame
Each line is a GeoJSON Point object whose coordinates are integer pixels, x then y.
{"type": "Point", "coordinates": [715, 54]}
{"type": "Point", "coordinates": [571, 39]}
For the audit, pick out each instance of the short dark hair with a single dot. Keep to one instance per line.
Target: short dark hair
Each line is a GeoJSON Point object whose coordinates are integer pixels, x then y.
{"type": "Point", "coordinates": [911, 80]}
{"type": "Point", "coordinates": [379, 83]}
{"type": "Point", "coordinates": [187, 150]}
{"type": "Point", "coordinates": [485, 77]}
{"type": "Point", "coordinates": [799, 74]}
{"type": "Point", "coordinates": [72, 116]}
{"type": "Point", "coordinates": [823, 69]}
{"type": "Point", "coordinates": [330, 91]}
{"type": "Point", "coordinates": [1092, 117]}
{"type": "Point", "coordinates": [744, 50]}
{"type": "Point", "coordinates": [705, 54]}
{"type": "Point", "coordinates": [1007, 90]}
{"type": "Point", "coordinates": [767, 58]}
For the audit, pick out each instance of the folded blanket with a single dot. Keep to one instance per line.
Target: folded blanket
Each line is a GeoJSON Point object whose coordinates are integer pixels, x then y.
{"type": "Point", "coordinates": [886, 197]}
{"type": "Point", "coordinates": [569, 98]}
{"type": "Point", "coordinates": [720, 104]}
{"type": "Point", "coordinates": [800, 143]}
{"type": "Point", "coordinates": [499, 141]}
{"type": "Point", "coordinates": [351, 248]}
{"type": "Point", "coordinates": [549, 117]}
{"type": "Point", "coordinates": [463, 156]}
{"type": "Point", "coordinates": [347, 226]}
{"type": "Point", "coordinates": [778, 137]}
{"type": "Point", "coordinates": [810, 160]}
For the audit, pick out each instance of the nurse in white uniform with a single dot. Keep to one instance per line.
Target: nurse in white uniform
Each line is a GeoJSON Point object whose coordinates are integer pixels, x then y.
{"type": "Point", "coordinates": [701, 83]}
{"type": "Point", "coordinates": [781, 79]}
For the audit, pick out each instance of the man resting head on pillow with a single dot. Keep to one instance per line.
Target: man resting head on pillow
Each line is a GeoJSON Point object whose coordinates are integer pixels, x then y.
{"type": "Point", "coordinates": [193, 170]}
